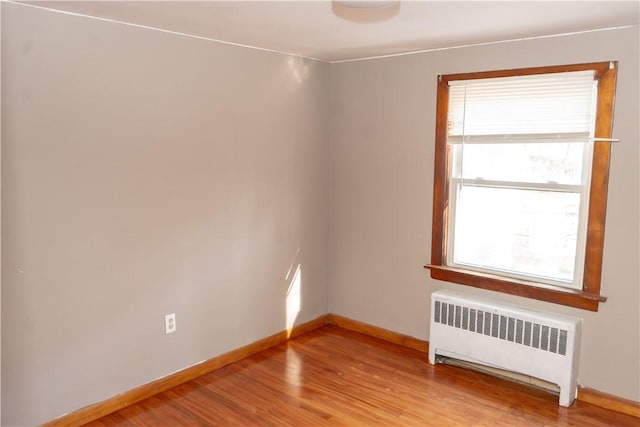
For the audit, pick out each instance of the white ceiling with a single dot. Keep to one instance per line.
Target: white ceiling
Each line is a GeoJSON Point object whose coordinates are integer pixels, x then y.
{"type": "Point", "coordinates": [318, 29]}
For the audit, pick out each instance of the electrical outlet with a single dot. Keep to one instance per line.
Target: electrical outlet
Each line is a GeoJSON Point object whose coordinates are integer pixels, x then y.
{"type": "Point", "coordinates": [170, 323]}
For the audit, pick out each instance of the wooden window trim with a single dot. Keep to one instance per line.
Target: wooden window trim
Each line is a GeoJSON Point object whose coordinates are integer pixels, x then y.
{"type": "Point", "coordinates": [589, 298]}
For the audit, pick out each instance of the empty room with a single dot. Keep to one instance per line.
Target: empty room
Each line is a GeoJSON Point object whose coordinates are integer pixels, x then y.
{"type": "Point", "coordinates": [320, 213]}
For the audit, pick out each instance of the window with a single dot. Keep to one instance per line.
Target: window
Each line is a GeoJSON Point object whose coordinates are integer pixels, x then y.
{"type": "Point", "coordinates": [520, 181]}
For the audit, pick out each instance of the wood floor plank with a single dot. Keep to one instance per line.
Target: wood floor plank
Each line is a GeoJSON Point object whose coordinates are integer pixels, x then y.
{"type": "Point", "coordinates": [336, 377]}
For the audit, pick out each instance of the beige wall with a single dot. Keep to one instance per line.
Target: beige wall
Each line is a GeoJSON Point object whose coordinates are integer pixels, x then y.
{"type": "Point", "coordinates": [383, 118]}
{"type": "Point", "coordinates": [0, 222]}
{"type": "Point", "coordinates": [145, 173]}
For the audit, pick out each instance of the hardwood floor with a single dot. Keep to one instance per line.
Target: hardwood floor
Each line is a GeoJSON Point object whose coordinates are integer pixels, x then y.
{"type": "Point", "coordinates": [335, 377]}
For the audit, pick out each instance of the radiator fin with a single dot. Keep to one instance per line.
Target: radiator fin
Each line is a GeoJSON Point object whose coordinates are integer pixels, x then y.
{"type": "Point", "coordinates": [502, 327]}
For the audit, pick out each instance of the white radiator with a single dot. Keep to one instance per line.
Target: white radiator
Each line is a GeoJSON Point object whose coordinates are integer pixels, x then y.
{"type": "Point", "coordinates": [508, 337]}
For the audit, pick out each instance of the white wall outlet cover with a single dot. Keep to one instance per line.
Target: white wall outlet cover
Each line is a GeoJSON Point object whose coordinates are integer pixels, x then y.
{"type": "Point", "coordinates": [170, 323]}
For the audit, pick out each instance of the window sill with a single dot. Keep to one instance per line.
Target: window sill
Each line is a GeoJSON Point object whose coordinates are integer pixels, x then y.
{"type": "Point", "coordinates": [542, 292]}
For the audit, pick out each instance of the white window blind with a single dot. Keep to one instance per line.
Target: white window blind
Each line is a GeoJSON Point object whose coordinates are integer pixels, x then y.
{"type": "Point", "coordinates": [547, 104]}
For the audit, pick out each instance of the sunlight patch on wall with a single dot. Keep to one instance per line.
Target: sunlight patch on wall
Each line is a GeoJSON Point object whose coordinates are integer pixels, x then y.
{"type": "Point", "coordinates": [299, 69]}
{"type": "Point", "coordinates": [293, 299]}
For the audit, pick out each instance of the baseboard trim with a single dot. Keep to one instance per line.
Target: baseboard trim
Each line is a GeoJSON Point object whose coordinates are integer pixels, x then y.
{"type": "Point", "coordinates": [377, 332]}
{"type": "Point", "coordinates": [609, 401]}
{"type": "Point", "coordinates": [100, 409]}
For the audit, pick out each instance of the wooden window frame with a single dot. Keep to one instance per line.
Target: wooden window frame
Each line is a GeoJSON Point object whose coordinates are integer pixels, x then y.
{"type": "Point", "coordinates": [589, 297]}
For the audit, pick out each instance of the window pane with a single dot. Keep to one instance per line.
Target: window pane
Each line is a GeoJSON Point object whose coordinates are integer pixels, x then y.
{"type": "Point", "coordinates": [521, 162]}
{"type": "Point", "coordinates": [533, 233]}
